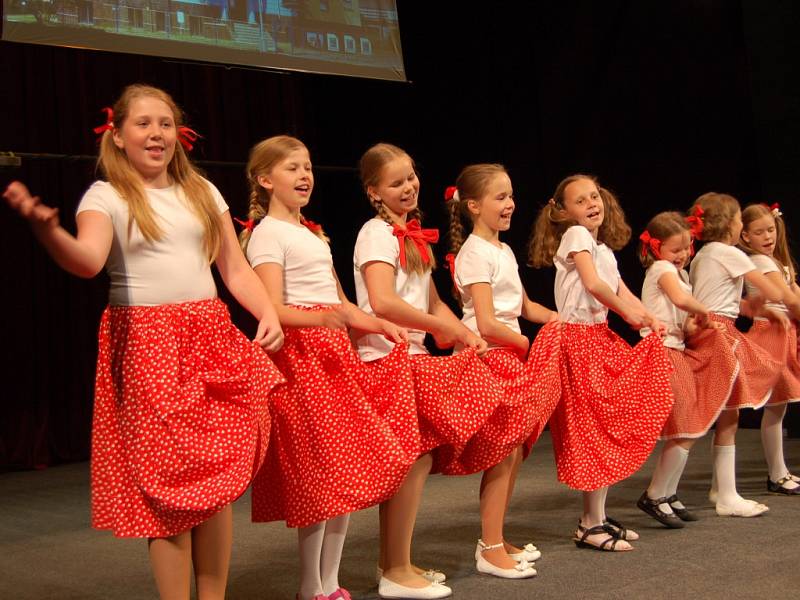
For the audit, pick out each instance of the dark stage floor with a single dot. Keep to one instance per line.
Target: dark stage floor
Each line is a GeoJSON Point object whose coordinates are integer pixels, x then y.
{"type": "Point", "coordinates": [49, 551]}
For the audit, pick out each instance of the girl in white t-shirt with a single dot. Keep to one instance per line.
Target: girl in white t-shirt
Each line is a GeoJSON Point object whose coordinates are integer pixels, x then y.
{"type": "Point", "coordinates": [615, 398]}
{"type": "Point", "coordinates": [487, 278]}
{"type": "Point", "coordinates": [181, 418]}
{"type": "Point", "coordinates": [717, 274]}
{"type": "Point", "coordinates": [702, 356]}
{"type": "Point", "coordinates": [344, 435]}
{"type": "Point", "coordinates": [764, 239]}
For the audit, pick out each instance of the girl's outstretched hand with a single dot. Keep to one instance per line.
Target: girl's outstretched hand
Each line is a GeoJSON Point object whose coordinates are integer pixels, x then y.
{"type": "Point", "coordinates": [269, 334]}
{"type": "Point", "coordinates": [470, 340]}
{"type": "Point", "coordinates": [30, 207]}
{"type": "Point", "coordinates": [392, 332]}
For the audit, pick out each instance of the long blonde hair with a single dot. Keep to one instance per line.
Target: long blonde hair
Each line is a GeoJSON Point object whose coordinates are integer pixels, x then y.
{"type": "Point", "coordinates": [371, 168]}
{"type": "Point", "coordinates": [552, 222]}
{"type": "Point", "coordinates": [263, 158]}
{"type": "Point", "coordinates": [123, 177]}
{"type": "Point", "coordinates": [781, 254]}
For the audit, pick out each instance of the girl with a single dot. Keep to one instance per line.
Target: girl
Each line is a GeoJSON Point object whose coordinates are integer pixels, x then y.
{"type": "Point", "coordinates": [487, 278]}
{"type": "Point", "coordinates": [344, 436]}
{"type": "Point", "coordinates": [392, 268]}
{"type": "Point", "coordinates": [764, 239]}
{"type": "Point", "coordinates": [180, 418]}
{"type": "Point", "coordinates": [717, 275]}
{"type": "Point", "coordinates": [615, 398]}
{"type": "Point", "coordinates": [704, 365]}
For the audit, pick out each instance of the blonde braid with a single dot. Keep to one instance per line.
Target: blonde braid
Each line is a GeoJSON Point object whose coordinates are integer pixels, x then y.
{"type": "Point", "coordinates": [257, 210]}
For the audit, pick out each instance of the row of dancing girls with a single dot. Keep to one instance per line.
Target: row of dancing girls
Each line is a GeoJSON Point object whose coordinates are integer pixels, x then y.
{"type": "Point", "coordinates": [181, 418]}
{"type": "Point", "coordinates": [327, 457]}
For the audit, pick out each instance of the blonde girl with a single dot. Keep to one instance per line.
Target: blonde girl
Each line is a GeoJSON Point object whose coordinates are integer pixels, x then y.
{"type": "Point", "coordinates": [181, 418]}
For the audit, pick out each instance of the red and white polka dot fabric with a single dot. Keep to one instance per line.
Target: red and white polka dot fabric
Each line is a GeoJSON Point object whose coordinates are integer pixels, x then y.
{"type": "Point", "coordinates": [343, 435]}
{"type": "Point", "coordinates": [615, 400]}
{"type": "Point", "coordinates": [758, 371]}
{"type": "Point", "coordinates": [702, 381]}
{"type": "Point", "coordinates": [181, 417]}
{"type": "Point", "coordinates": [782, 346]}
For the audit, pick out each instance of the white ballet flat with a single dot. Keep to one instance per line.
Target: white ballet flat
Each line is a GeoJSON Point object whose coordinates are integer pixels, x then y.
{"type": "Point", "coordinates": [390, 589]}
{"type": "Point", "coordinates": [529, 552]}
{"type": "Point", "coordinates": [431, 575]}
{"type": "Point", "coordinates": [522, 570]}
{"type": "Point", "coordinates": [745, 509]}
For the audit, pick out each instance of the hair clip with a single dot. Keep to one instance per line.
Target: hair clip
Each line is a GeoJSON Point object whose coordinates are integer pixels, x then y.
{"type": "Point", "coordinates": [249, 224]}
{"type": "Point", "coordinates": [451, 193]}
{"type": "Point", "coordinates": [775, 209]}
{"type": "Point", "coordinates": [107, 126]}
{"type": "Point", "coordinates": [648, 241]}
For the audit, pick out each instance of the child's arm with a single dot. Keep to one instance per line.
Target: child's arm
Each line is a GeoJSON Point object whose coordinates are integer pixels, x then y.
{"type": "Point", "coordinates": [489, 327]}
{"type": "Point", "coordinates": [535, 312]}
{"type": "Point", "coordinates": [635, 315]}
{"type": "Point", "coordinates": [670, 283]}
{"type": "Point", "coordinates": [652, 322]}
{"type": "Point", "coordinates": [440, 321]}
{"type": "Point", "coordinates": [243, 283]}
{"type": "Point", "coordinates": [360, 321]}
{"type": "Point", "coordinates": [83, 255]}
{"type": "Point", "coordinates": [790, 299]}
{"type": "Point", "coordinates": [765, 286]}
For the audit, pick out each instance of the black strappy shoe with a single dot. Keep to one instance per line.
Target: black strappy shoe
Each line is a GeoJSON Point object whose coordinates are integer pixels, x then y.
{"type": "Point", "coordinates": [683, 513]}
{"type": "Point", "coordinates": [776, 487]}
{"type": "Point", "coordinates": [651, 507]}
{"type": "Point", "coordinates": [607, 545]}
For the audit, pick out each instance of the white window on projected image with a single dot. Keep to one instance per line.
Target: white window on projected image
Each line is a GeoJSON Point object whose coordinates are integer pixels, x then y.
{"type": "Point", "coordinates": [345, 37]}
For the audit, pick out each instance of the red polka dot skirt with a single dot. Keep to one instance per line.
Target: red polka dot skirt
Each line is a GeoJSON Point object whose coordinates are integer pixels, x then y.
{"type": "Point", "coordinates": [614, 402]}
{"type": "Point", "coordinates": [343, 434]}
{"type": "Point", "coordinates": [758, 370]}
{"type": "Point", "coordinates": [530, 391]}
{"type": "Point", "coordinates": [702, 379]}
{"type": "Point", "coordinates": [782, 346]}
{"type": "Point", "coordinates": [181, 417]}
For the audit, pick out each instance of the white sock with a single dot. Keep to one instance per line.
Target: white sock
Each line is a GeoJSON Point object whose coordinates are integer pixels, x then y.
{"type": "Point", "coordinates": [682, 455]}
{"type": "Point", "coordinates": [669, 467]}
{"type": "Point", "coordinates": [772, 440]}
{"type": "Point", "coordinates": [310, 543]}
{"type": "Point", "coordinates": [725, 474]}
{"type": "Point", "coordinates": [332, 546]}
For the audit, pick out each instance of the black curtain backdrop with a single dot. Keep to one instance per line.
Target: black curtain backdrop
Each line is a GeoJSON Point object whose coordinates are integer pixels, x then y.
{"type": "Point", "coordinates": [662, 100]}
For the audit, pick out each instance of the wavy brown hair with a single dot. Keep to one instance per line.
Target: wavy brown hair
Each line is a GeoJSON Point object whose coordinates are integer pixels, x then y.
{"type": "Point", "coordinates": [471, 184]}
{"type": "Point", "coordinates": [781, 254]}
{"type": "Point", "coordinates": [718, 213]}
{"type": "Point", "coordinates": [661, 227]}
{"type": "Point", "coordinates": [552, 222]}
{"type": "Point", "coordinates": [263, 158]}
{"type": "Point", "coordinates": [123, 177]}
{"type": "Point", "coordinates": [371, 167]}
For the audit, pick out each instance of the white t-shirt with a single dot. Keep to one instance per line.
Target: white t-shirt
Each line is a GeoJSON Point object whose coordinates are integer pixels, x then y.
{"type": "Point", "coordinates": [765, 264]}
{"type": "Point", "coordinates": [574, 303]}
{"type": "Point", "coordinates": [716, 274]}
{"type": "Point", "coordinates": [479, 261]}
{"type": "Point", "coordinates": [306, 261]}
{"type": "Point", "coordinates": [657, 302]}
{"type": "Point", "coordinates": [173, 269]}
{"type": "Point", "coordinates": [376, 242]}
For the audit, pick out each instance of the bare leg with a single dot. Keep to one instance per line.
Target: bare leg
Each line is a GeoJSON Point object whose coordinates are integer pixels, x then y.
{"type": "Point", "coordinates": [400, 514]}
{"type": "Point", "coordinates": [510, 548]}
{"type": "Point", "coordinates": [171, 560]}
{"type": "Point", "coordinates": [211, 554]}
{"type": "Point", "coordinates": [495, 488]}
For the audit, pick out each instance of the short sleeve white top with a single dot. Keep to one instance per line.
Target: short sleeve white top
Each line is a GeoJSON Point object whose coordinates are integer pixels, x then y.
{"type": "Point", "coordinates": [765, 264]}
{"type": "Point", "coordinates": [305, 259]}
{"type": "Point", "coordinates": [716, 275]}
{"type": "Point", "coordinates": [657, 302]}
{"type": "Point", "coordinates": [376, 242]}
{"type": "Point", "coordinates": [574, 303]}
{"type": "Point", "coordinates": [480, 261]}
{"type": "Point", "coordinates": [170, 270]}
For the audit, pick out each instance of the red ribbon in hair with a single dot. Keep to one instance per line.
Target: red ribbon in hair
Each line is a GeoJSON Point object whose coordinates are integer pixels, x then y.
{"type": "Point", "coordinates": [450, 192]}
{"type": "Point", "coordinates": [107, 126]}
{"type": "Point", "coordinates": [187, 137]}
{"type": "Point", "coordinates": [450, 259]}
{"type": "Point", "coordinates": [695, 222]}
{"type": "Point", "coordinates": [249, 224]}
{"type": "Point", "coordinates": [312, 227]}
{"type": "Point", "coordinates": [420, 237]}
{"type": "Point", "coordinates": [648, 241]}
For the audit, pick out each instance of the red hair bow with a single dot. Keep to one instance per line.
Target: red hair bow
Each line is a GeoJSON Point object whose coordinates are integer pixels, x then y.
{"type": "Point", "coordinates": [774, 208]}
{"type": "Point", "coordinates": [420, 237]}
{"type": "Point", "coordinates": [312, 227]}
{"type": "Point", "coordinates": [187, 137]}
{"type": "Point", "coordinates": [695, 222]}
{"type": "Point", "coordinates": [450, 193]}
{"type": "Point", "coordinates": [249, 224]}
{"type": "Point", "coordinates": [450, 258]}
{"type": "Point", "coordinates": [107, 126]}
{"type": "Point", "coordinates": [651, 242]}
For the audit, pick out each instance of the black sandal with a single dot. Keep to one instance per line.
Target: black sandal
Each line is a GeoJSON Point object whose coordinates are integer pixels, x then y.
{"type": "Point", "coordinates": [683, 513]}
{"type": "Point", "coordinates": [619, 529]}
{"type": "Point", "coordinates": [607, 545]}
{"type": "Point", "coordinates": [651, 507]}
{"type": "Point", "coordinates": [776, 487]}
